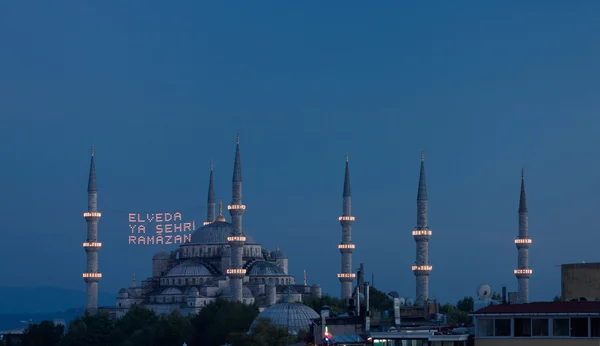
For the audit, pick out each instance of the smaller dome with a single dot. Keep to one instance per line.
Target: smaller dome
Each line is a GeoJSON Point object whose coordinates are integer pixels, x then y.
{"type": "Point", "coordinates": [193, 291]}
{"type": "Point", "coordinates": [172, 291]}
{"type": "Point", "coordinates": [161, 255]}
{"type": "Point", "coordinates": [189, 268]}
{"type": "Point", "coordinates": [266, 269]}
{"type": "Point", "coordinates": [123, 290]}
{"type": "Point", "coordinates": [278, 254]}
{"type": "Point", "coordinates": [293, 317]}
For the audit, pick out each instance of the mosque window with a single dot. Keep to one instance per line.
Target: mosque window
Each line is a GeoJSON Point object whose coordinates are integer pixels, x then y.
{"type": "Point", "coordinates": [193, 281]}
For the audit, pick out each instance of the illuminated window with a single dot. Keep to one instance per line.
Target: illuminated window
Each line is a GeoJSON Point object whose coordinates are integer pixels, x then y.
{"type": "Point", "coordinates": [421, 232]}
{"type": "Point", "coordinates": [346, 218]}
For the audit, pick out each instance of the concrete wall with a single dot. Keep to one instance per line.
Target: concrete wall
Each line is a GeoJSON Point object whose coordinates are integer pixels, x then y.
{"type": "Point", "coordinates": [580, 280]}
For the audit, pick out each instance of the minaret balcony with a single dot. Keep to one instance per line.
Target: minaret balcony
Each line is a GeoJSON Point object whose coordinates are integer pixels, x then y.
{"type": "Point", "coordinates": [92, 245]}
{"type": "Point", "coordinates": [346, 220]}
{"type": "Point", "coordinates": [421, 234]}
{"type": "Point", "coordinates": [206, 223]}
{"type": "Point", "coordinates": [346, 277]}
{"type": "Point", "coordinates": [523, 273]}
{"type": "Point", "coordinates": [346, 248]}
{"type": "Point", "coordinates": [92, 277]}
{"type": "Point", "coordinates": [523, 243]}
{"type": "Point", "coordinates": [236, 273]}
{"type": "Point", "coordinates": [92, 215]}
{"type": "Point", "coordinates": [422, 270]}
{"type": "Point", "coordinates": [236, 241]}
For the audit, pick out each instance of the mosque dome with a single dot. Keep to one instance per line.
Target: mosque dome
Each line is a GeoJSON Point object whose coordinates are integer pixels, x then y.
{"type": "Point", "coordinates": [294, 317]}
{"type": "Point", "coordinates": [172, 291]}
{"type": "Point", "coordinates": [225, 292]}
{"type": "Point", "coordinates": [193, 292]}
{"type": "Point", "coordinates": [216, 233]}
{"type": "Point", "coordinates": [161, 255]}
{"type": "Point", "coordinates": [189, 268]}
{"type": "Point", "coordinates": [266, 269]}
{"type": "Point", "coordinates": [278, 254]}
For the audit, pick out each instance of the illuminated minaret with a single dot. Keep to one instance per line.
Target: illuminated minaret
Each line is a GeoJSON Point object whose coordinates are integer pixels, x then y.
{"type": "Point", "coordinates": [523, 243]}
{"type": "Point", "coordinates": [346, 276]}
{"type": "Point", "coordinates": [212, 203]}
{"type": "Point", "coordinates": [91, 276]}
{"type": "Point", "coordinates": [422, 233]}
{"type": "Point", "coordinates": [236, 240]}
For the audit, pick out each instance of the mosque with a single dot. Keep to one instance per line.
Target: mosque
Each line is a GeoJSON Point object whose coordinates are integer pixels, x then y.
{"type": "Point", "coordinates": [221, 261]}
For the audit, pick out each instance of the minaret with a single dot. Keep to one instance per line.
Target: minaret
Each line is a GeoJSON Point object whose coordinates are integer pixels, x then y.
{"type": "Point", "coordinates": [422, 233]}
{"type": "Point", "coordinates": [212, 203]}
{"type": "Point", "coordinates": [523, 242]}
{"type": "Point", "coordinates": [91, 276]}
{"type": "Point", "coordinates": [236, 240]}
{"type": "Point", "coordinates": [346, 276]}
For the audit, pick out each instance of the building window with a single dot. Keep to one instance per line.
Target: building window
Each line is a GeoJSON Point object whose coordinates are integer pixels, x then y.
{"type": "Point", "coordinates": [485, 327]}
{"type": "Point", "coordinates": [522, 327]}
{"type": "Point", "coordinates": [560, 327]}
{"type": "Point", "coordinates": [595, 325]}
{"type": "Point", "coordinates": [579, 327]}
{"type": "Point", "coordinates": [502, 327]}
{"type": "Point", "coordinates": [539, 327]}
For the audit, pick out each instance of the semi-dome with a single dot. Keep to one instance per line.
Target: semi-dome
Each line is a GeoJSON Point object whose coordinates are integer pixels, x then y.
{"type": "Point", "coordinates": [278, 254]}
{"type": "Point", "coordinates": [225, 292]}
{"type": "Point", "coordinates": [171, 291]}
{"type": "Point", "coordinates": [266, 269]}
{"type": "Point", "coordinates": [189, 268]}
{"type": "Point", "coordinates": [293, 317]}
{"type": "Point", "coordinates": [161, 255]}
{"type": "Point", "coordinates": [216, 233]}
{"type": "Point", "coordinates": [193, 291]}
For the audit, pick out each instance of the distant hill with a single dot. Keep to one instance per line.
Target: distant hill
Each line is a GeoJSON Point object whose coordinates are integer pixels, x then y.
{"type": "Point", "coordinates": [19, 300]}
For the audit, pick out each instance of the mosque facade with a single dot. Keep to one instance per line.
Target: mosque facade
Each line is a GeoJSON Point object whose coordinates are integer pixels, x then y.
{"type": "Point", "coordinates": [221, 261]}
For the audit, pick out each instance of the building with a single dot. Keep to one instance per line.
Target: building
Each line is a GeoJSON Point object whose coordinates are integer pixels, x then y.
{"type": "Point", "coordinates": [221, 261]}
{"type": "Point", "coordinates": [422, 234]}
{"type": "Point", "coordinates": [523, 242]}
{"type": "Point", "coordinates": [580, 281]}
{"type": "Point", "coordinates": [545, 323]}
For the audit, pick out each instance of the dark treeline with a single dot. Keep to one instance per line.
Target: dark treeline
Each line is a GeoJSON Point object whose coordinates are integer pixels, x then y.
{"type": "Point", "coordinates": [217, 324]}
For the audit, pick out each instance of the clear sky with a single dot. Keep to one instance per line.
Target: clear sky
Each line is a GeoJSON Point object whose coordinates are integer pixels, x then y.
{"type": "Point", "coordinates": [161, 88]}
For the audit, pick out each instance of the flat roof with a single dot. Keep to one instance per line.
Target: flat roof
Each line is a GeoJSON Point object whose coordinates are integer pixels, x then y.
{"type": "Point", "coordinates": [542, 308]}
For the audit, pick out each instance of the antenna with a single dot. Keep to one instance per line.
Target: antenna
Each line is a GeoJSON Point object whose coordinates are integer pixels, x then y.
{"type": "Point", "coordinates": [484, 292]}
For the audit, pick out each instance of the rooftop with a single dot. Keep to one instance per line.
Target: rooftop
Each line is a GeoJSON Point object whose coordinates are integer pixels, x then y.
{"type": "Point", "coordinates": [542, 308]}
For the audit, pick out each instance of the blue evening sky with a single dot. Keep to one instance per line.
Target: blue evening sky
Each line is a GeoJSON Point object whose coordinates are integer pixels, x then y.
{"type": "Point", "coordinates": [161, 88]}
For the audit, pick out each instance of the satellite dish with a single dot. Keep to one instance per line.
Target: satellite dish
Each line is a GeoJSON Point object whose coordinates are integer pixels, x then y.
{"type": "Point", "coordinates": [402, 301]}
{"type": "Point", "coordinates": [484, 292]}
{"type": "Point", "coordinates": [410, 302]}
{"type": "Point", "coordinates": [394, 294]}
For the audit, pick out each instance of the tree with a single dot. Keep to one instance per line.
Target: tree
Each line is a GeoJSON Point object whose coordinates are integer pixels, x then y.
{"type": "Point", "coordinates": [44, 334]}
{"type": "Point", "coordinates": [264, 333]}
{"type": "Point", "coordinates": [136, 327]}
{"type": "Point", "coordinates": [218, 320]}
{"type": "Point", "coordinates": [557, 299]}
{"type": "Point", "coordinates": [496, 296]}
{"type": "Point", "coordinates": [379, 301]}
{"type": "Point", "coordinates": [466, 304]}
{"type": "Point", "coordinates": [337, 305]}
{"type": "Point", "coordinates": [173, 329]}
{"type": "Point", "coordinates": [90, 330]}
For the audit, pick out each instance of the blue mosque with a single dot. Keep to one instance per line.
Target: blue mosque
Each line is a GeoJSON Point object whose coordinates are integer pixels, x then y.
{"type": "Point", "coordinates": [221, 261]}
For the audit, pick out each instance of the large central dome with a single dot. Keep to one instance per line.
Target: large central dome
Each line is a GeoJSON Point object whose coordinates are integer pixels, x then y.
{"type": "Point", "coordinates": [216, 233]}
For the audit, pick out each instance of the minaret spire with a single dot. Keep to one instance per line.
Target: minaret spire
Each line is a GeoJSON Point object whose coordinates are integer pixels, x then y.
{"type": "Point", "coordinates": [210, 213]}
{"type": "Point", "coordinates": [422, 234]}
{"type": "Point", "coordinates": [92, 246]}
{"type": "Point", "coordinates": [523, 242]}
{"type": "Point", "coordinates": [346, 248]}
{"type": "Point", "coordinates": [236, 240]}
